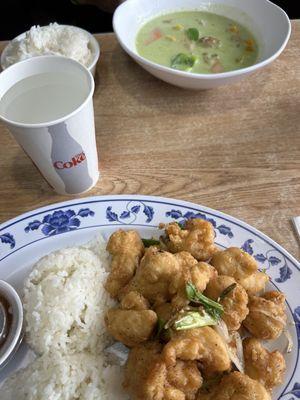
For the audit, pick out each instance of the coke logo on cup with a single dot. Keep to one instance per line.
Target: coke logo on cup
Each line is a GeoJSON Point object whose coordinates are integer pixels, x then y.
{"type": "Point", "coordinates": [77, 159]}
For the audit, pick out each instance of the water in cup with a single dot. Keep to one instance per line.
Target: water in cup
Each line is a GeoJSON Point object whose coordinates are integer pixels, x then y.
{"type": "Point", "coordinates": [47, 105]}
{"type": "Point", "coordinates": [43, 97]}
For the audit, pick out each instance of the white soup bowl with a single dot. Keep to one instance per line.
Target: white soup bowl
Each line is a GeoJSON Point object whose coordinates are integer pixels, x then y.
{"type": "Point", "coordinates": [269, 24]}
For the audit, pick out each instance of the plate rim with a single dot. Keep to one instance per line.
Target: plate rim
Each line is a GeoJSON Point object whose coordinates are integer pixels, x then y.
{"type": "Point", "coordinates": [154, 199]}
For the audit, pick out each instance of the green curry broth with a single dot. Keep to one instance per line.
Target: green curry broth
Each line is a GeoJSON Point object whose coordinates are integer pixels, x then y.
{"type": "Point", "coordinates": [161, 39]}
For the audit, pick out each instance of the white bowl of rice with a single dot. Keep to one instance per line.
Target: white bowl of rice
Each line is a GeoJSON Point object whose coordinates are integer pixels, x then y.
{"type": "Point", "coordinates": [54, 39]}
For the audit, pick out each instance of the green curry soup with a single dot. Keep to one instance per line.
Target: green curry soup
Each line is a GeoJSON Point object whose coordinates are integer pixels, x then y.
{"type": "Point", "coordinates": [197, 41]}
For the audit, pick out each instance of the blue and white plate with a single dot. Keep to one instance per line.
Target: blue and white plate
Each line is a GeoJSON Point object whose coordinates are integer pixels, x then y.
{"type": "Point", "coordinates": [25, 239]}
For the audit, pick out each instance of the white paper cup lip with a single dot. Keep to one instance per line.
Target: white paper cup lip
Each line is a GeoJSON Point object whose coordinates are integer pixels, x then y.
{"type": "Point", "coordinates": [51, 59]}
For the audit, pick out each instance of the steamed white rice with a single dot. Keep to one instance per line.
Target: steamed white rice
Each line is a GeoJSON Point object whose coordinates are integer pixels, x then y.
{"type": "Point", "coordinates": [65, 303]}
{"type": "Point", "coordinates": [54, 376]}
{"type": "Point", "coordinates": [52, 39]}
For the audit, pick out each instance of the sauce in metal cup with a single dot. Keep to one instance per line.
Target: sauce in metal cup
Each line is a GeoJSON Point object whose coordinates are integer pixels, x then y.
{"type": "Point", "coordinates": [12, 334]}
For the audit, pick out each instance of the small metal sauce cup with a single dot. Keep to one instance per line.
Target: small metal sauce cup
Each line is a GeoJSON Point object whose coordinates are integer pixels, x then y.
{"type": "Point", "coordinates": [12, 332]}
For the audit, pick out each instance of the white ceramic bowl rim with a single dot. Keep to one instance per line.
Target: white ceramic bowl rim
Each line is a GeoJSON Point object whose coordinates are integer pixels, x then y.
{"type": "Point", "coordinates": [221, 75]}
{"type": "Point", "coordinates": [14, 335]}
{"type": "Point", "coordinates": [93, 42]}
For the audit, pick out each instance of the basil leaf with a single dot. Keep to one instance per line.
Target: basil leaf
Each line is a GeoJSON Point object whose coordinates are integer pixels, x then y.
{"type": "Point", "coordinates": [183, 62]}
{"type": "Point", "coordinates": [150, 242]}
{"type": "Point", "coordinates": [194, 319]}
{"type": "Point", "coordinates": [214, 308]}
{"type": "Point", "coordinates": [159, 327]}
{"type": "Point", "coordinates": [193, 34]}
{"type": "Point", "coordinates": [191, 291]}
{"type": "Point", "coordinates": [226, 291]}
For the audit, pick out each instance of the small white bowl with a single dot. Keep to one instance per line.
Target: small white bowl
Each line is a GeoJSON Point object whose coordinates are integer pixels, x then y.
{"type": "Point", "coordinates": [15, 334]}
{"type": "Point", "coordinates": [93, 43]}
{"type": "Point", "coordinates": [268, 22]}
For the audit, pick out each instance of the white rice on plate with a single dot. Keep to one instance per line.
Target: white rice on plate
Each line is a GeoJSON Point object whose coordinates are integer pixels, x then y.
{"type": "Point", "coordinates": [80, 376]}
{"type": "Point", "coordinates": [53, 377]}
{"type": "Point", "coordinates": [65, 303]}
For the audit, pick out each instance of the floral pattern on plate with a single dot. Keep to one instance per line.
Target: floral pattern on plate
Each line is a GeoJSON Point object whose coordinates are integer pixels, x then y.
{"type": "Point", "coordinates": [7, 238]}
{"type": "Point", "coordinates": [49, 228]}
{"type": "Point", "coordinates": [59, 222]}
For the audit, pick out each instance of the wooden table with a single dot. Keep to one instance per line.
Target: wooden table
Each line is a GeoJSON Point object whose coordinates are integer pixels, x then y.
{"type": "Point", "coordinates": [235, 149]}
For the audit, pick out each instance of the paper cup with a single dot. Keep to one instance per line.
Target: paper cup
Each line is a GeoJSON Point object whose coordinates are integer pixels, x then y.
{"type": "Point", "coordinates": [64, 150]}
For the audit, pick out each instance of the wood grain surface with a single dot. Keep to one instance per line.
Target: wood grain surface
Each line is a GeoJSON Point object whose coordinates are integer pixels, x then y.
{"type": "Point", "coordinates": [235, 149]}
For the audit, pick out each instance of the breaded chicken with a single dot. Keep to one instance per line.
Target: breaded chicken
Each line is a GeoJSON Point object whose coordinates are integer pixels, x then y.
{"type": "Point", "coordinates": [236, 386]}
{"type": "Point", "coordinates": [234, 302]}
{"type": "Point", "coordinates": [126, 248]}
{"type": "Point", "coordinates": [197, 273]}
{"type": "Point", "coordinates": [201, 344]}
{"type": "Point", "coordinates": [255, 283]}
{"type": "Point", "coordinates": [147, 377]}
{"type": "Point", "coordinates": [200, 275]}
{"type": "Point", "coordinates": [185, 376]}
{"type": "Point", "coordinates": [158, 276]}
{"type": "Point", "coordinates": [186, 260]}
{"type": "Point", "coordinates": [134, 301]}
{"type": "Point", "coordinates": [197, 238]}
{"type": "Point", "coordinates": [130, 327]}
{"type": "Point", "coordinates": [162, 277]}
{"type": "Point", "coordinates": [234, 262]}
{"type": "Point", "coordinates": [164, 311]}
{"type": "Point", "coordinates": [144, 374]}
{"type": "Point", "coordinates": [204, 395]}
{"type": "Point", "coordinates": [267, 317]}
{"type": "Point", "coordinates": [262, 365]}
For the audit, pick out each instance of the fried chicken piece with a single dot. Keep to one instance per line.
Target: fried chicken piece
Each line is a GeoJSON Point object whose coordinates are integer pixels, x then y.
{"type": "Point", "coordinates": [186, 260]}
{"type": "Point", "coordinates": [236, 386]}
{"type": "Point", "coordinates": [146, 376]}
{"type": "Point", "coordinates": [134, 301]}
{"type": "Point", "coordinates": [197, 238]}
{"type": "Point", "coordinates": [144, 373]}
{"type": "Point", "coordinates": [126, 248]}
{"type": "Point", "coordinates": [173, 394]}
{"type": "Point", "coordinates": [133, 323]}
{"type": "Point", "coordinates": [255, 283]}
{"type": "Point", "coordinates": [267, 317]}
{"type": "Point", "coordinates": [198, 273]}
{"type": "Point", "coordinates": [130, 327]}
{"type": "Point", "coordinates": [201, 344]}
{"type": "Point", "coordinates": [204, 395]}
{"type": "Point", "coordinates": [157, 277]}
{"type": "Point", "coordinates": [234, 262]}
{"type": "Point", "coordinates": [162, 277]}
{"type": "Point", "coordinates": [262, 365]}
{"type": "Point", "coordinates": [185, 376]}
{"type": "Point", "coordinates": [188, 267]}
{"type": "Point", "coordinates": [164, 311]}
{"type": "Point", "coordinates": [234, 303]}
